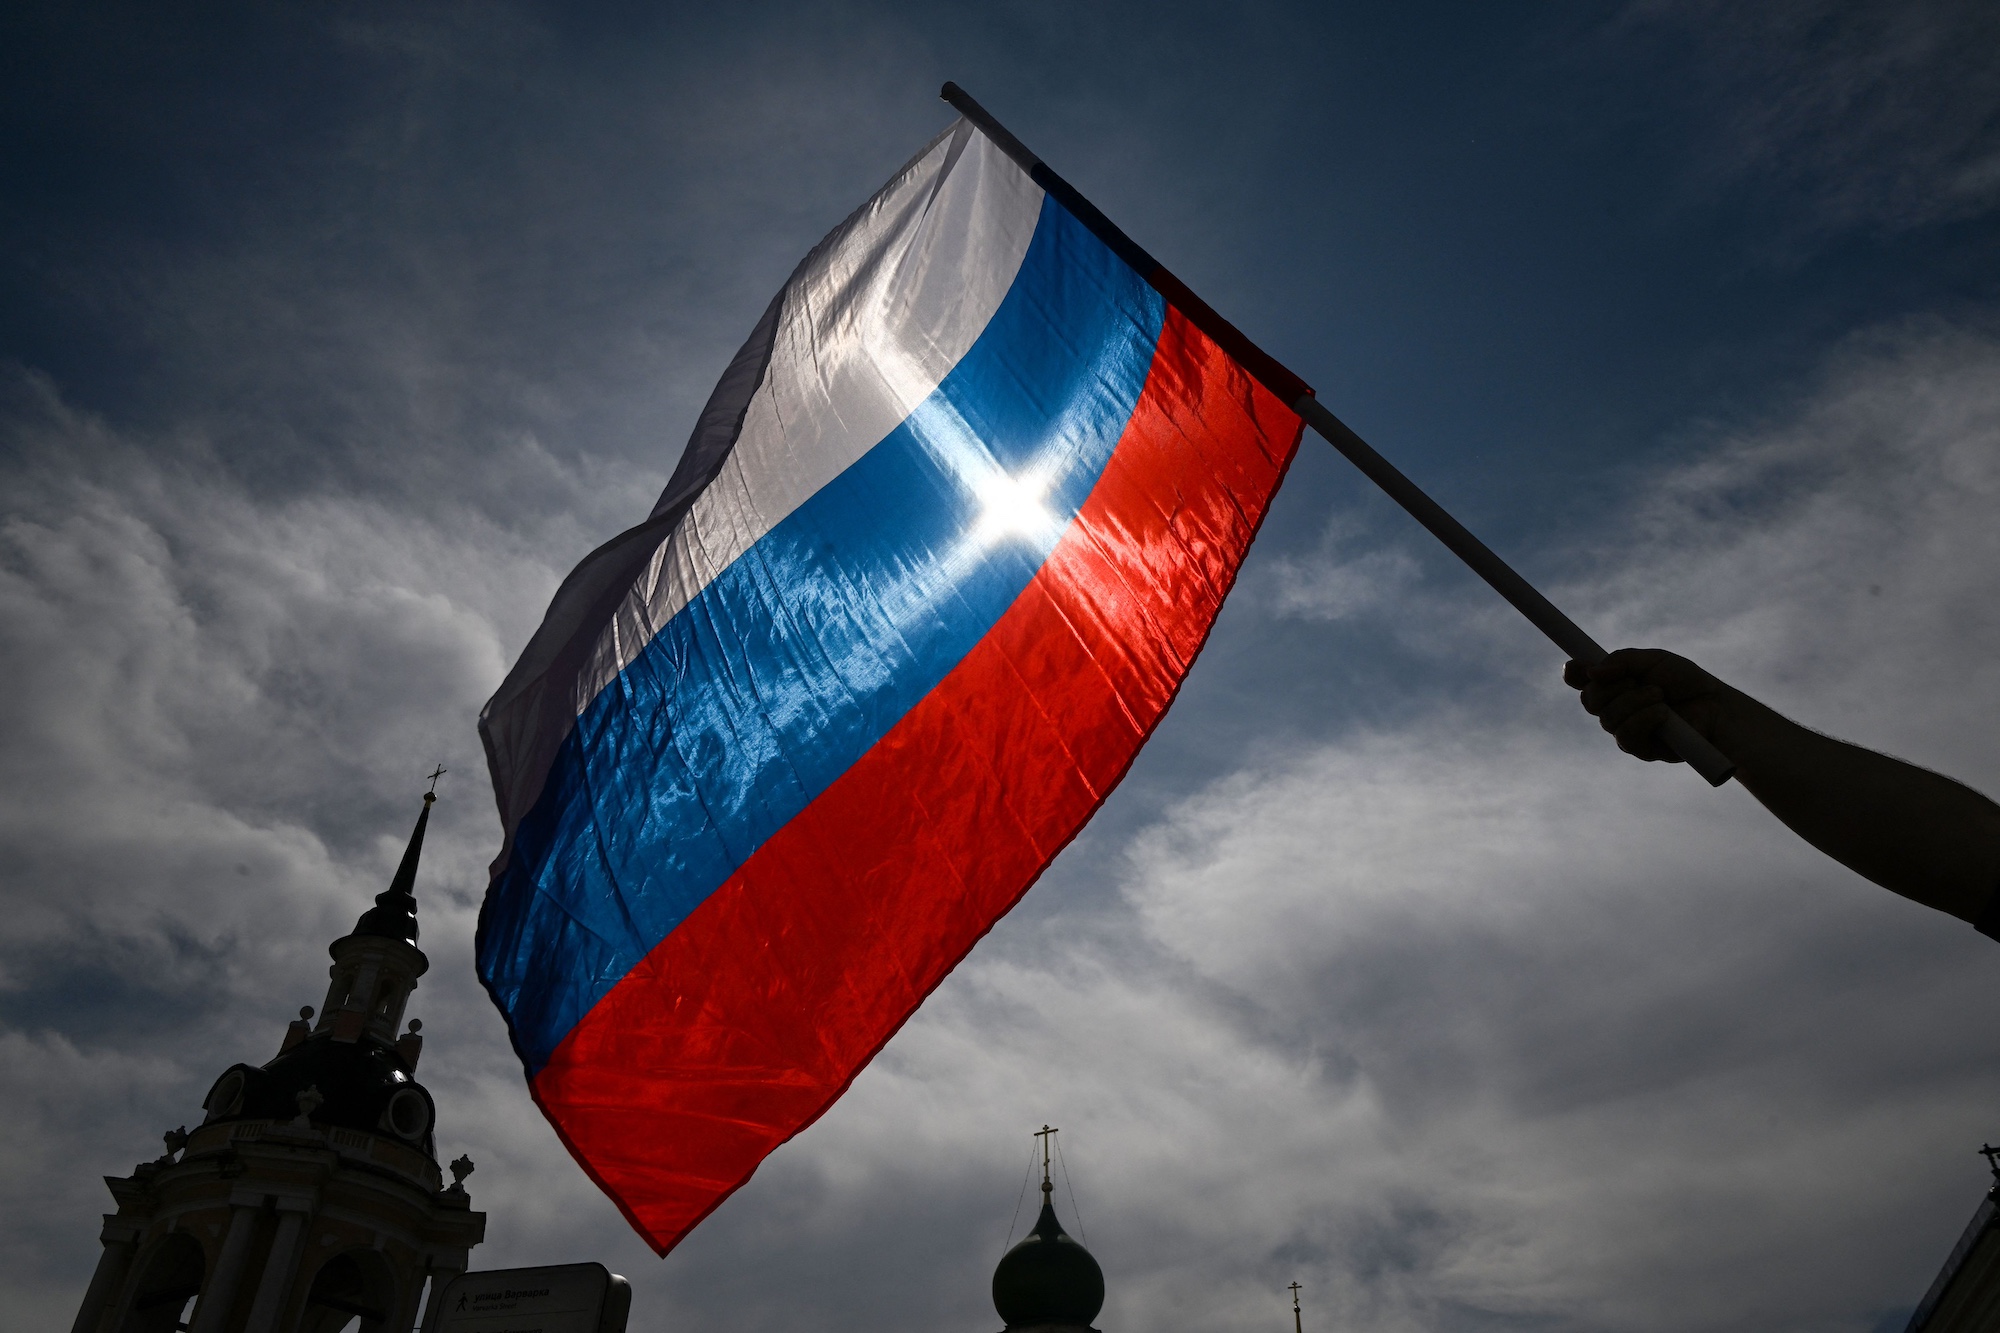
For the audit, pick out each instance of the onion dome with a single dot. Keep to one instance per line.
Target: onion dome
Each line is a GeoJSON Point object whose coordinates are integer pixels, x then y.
{"type": "Point", "coordinates": [1048, 1279]}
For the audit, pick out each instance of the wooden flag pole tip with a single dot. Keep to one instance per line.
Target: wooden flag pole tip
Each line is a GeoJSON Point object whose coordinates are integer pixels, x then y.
{"type": "Point", "coordinates": [1689, 744]}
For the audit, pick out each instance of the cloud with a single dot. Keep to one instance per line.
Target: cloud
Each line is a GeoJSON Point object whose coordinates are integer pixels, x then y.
{"type": "Point", "coordinates": [218, 706]}
{"type": "Point", "coordinates": [1882, 116]}
{"type": "Point", "coordinates": [1842, 554]}
{"type": "Point", "coordinates": [1332, 584]}
{"type": "Point", "coordinates": [1462, 1020]}
{"type": "Point", "coordinates": [1646, 1061]}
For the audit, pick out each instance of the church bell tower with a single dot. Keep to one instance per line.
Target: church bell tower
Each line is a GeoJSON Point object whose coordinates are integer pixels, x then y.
{"type": "Point", "coordinates": [310, 1194]}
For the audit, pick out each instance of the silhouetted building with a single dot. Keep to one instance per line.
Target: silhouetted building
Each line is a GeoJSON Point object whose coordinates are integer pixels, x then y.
{"type": "Point", "coordinates": [1965, 1297]}
{"type": "Point", "coordinates": [310, 1195]}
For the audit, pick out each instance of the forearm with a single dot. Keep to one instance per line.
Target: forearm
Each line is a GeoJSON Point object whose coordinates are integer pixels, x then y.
{"type": "Point", "coordinates": [1909, 830]}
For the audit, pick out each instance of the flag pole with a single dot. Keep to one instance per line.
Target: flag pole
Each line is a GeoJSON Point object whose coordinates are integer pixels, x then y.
{"type": "Point", "coordinates": [1689, 744]}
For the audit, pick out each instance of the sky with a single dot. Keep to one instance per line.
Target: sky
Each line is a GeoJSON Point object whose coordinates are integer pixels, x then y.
{"type": "Point", "coordinates": [332, 336]}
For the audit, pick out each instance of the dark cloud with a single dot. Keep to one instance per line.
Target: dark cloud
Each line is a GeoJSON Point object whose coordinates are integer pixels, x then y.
{"type": "Point", "coordinates": [1878, 116]}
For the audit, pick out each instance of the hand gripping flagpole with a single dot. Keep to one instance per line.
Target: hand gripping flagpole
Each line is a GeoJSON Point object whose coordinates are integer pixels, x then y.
{"type": "Point", "coordinates": [1689, 744]}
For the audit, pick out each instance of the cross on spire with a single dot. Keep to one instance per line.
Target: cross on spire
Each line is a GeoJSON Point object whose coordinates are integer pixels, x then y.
{"type": "Point", "coordinates": [439, 772]}
{"type": "Point", "coordinates": [1047, 1136]}
{"type": "Point", "coordinates": [1298, 1325]}
{"type": "Point", "coordinates": [1992, 1156]}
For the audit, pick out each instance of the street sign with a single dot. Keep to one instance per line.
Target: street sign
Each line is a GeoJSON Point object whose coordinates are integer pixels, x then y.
{"type": "Point", "coordinates": [566, 1298]}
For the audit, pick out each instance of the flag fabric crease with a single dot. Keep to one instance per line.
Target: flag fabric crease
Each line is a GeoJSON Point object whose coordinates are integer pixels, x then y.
{"type": "Point", "coordinates": [941, 550]}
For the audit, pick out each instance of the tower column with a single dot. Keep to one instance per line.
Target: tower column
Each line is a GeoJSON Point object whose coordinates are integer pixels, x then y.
{"type": "Point", "coordinates": [442, 1270]}
{"type": "Point", "coordinates": [278, 1269]}
{"type": "Point", "coordinates": [121, 1241]}
{"type": "Point", "coordinates": [220, 1296]}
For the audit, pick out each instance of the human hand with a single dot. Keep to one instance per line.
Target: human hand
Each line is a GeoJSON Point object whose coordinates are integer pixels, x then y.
{"type": "Point", "coordinates": [1630, 691]}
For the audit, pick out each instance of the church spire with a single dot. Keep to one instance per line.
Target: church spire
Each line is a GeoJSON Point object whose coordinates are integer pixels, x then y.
{"type": "Point", "coordinates": [376, 965]}
{"type": "Point", "coordinates": [394, 915]}
{"type": "Point", "coordinates": [405, 881]}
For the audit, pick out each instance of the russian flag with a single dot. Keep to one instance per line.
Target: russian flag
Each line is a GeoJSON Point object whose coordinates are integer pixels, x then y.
{"type": "Point", "coordinates": [942, 548]}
